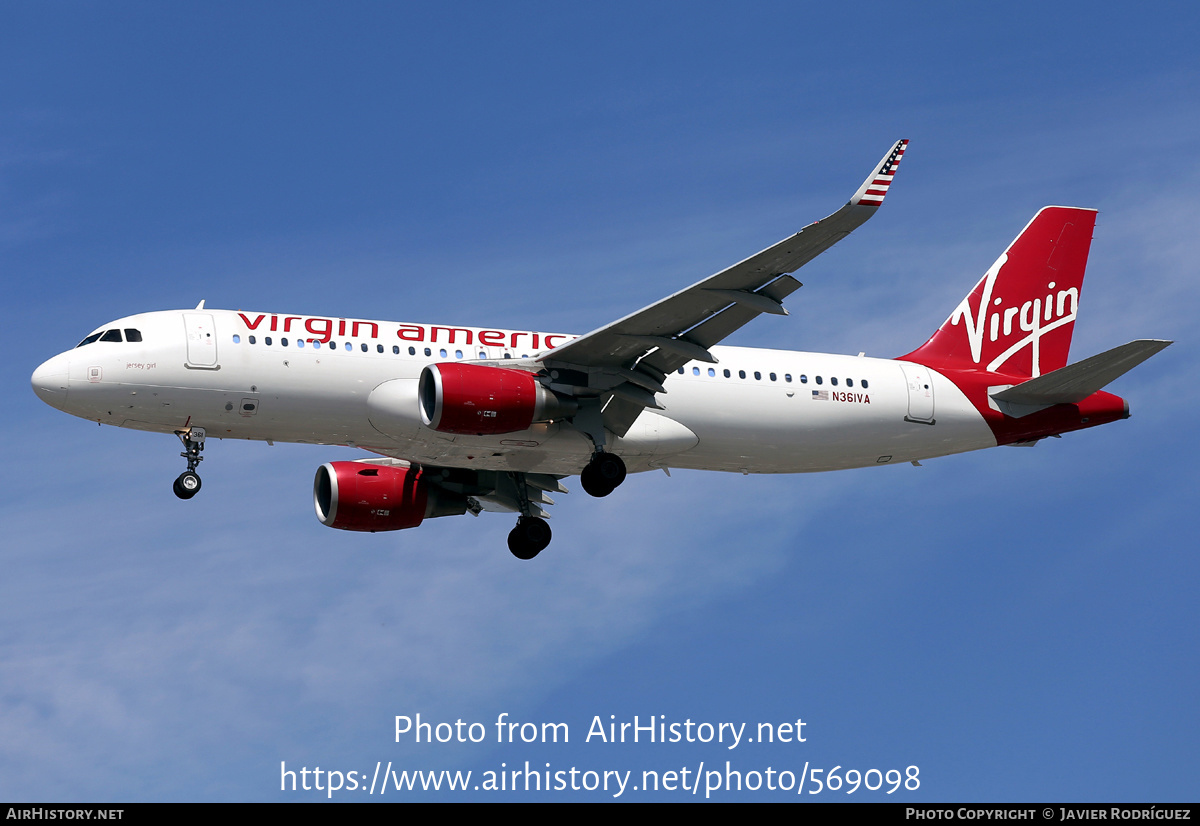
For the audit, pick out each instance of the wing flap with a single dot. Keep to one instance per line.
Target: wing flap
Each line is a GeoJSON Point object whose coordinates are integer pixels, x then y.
{"type": "Point", "coordinates": [620, 414]}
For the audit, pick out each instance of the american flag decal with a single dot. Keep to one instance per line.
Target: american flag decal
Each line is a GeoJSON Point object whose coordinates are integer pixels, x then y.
{"type": "Point", "coordinates": [876, 186]}
{"type": "Point", "coordinates": [821, 395]}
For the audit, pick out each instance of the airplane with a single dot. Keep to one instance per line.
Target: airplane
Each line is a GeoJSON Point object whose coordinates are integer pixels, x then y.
{"type": "Point", "coordinates": [466, 419]}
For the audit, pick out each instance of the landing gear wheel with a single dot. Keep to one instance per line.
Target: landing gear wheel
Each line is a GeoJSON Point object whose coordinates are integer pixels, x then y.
{"type": "Point", "coordinates": [603, 474]}
{"type": "Point", "coordinates": [592, 483]}
{"type": "Point", "coordinates": [187, 485]}
{"type": "Point", "coordinates": [529, 537]}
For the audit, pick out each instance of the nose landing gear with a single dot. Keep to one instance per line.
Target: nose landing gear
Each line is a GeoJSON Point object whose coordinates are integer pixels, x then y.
{"type": "Point", "coordinates": [188, 483]}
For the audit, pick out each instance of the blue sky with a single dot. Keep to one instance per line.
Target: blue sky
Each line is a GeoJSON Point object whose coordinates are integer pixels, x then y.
{"type": "Point", "coordinates": [1019, 623]}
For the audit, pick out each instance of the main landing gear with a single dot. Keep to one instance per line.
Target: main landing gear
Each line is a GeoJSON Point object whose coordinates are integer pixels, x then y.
{"type": "Point", "coordinates": [529, 537]}
{"type": "Point", "coordinates": [532, 533]}
{"type": "Point", "coordinates": [603, 474]}
{"type": "Point", "coordinates": [188, 483]}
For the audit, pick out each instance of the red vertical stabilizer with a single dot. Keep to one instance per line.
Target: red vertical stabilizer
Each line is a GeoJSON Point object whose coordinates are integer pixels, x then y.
{"type": "Point", "coordinates": [1019, 318]}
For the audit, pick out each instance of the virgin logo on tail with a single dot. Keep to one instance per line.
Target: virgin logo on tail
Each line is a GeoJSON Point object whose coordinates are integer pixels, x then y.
{"type": "Point", "coordinates": [1019, 318]}
{"type": "Point", "coordinates": [1037, 317]}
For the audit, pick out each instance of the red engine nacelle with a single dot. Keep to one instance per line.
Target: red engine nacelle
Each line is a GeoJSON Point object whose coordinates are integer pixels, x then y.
{"type": "Point", "coordinates": [357, 496]}
{"type": "Point", "coordinates": [473, 399]}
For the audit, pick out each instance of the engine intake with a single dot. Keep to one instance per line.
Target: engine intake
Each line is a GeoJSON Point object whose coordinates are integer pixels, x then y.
{"type": "Point", "coordinates": [474, 399]}
{"type": "Point", "coordinates": [360, 496]}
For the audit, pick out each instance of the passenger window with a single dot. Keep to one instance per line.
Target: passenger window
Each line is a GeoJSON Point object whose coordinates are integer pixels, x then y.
{"type": "Point", "coordinates": [316, 344]}
{"type": "Point", "coordinates": [787, 377]}
{"type": "Point", "coordinates": [252, 340]}
{"type": "Point", "coordinates": [364, 346]}
{"type": "Point", "coordinates": [726, 372]}
{"type": "Point", "coordinates": [267, 341]}
{"type": "Point", "coordinates": [237, 339]}
{"type": "Point", "coordinates": [772, 377]}
{"type": "Point", "coordinates": [680, 371]}
{"type": "Point", "coordinates": [803, 379]}
{"type": "Point", "coordinates": [300, 343]}
{"type": "Point", "coordinates": [712, 372]}
{"type": "Point", "coordinates": [864, 384]}
{"type": "Point", "coordinates": [818, 379]}
{"type": "Point", "coordinates": [379, 348]}
{"type": "Point", "coordinates": [757, 376]}
{"type": "Point", "coordinates": [458, 354]}
{"type": "Point", "coordinates": [395, 349]}
{"type": "Point", "coordinates": [832, 380]}
{"type": "Point", "coordinates": [349, 347]}
{"type": "Point", "coordinates": [412, 351]}
{"type": "Point", "coordinates": [508, 355]}
{"type": "Point", "coordinates": [695, 371]}
{"type": "Point", "coordinates": [133, 335]}
{"type": "Point", "coordinates": [849, 382]}
{"type": "Point", "coordinates": [442, 353]}
{"type": "Point", "coordinates": [741, 374]}
{"type": "Point", "coordinates": [428, 352]}
{"type": "Point", "coordinates": [283, 342]}
{"type": "Point", "coordinates": [111, 335]}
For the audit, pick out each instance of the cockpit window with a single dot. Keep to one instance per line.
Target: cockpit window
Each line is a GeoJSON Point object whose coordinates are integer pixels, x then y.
{"type": "Point", "coordinates": [112, 335]}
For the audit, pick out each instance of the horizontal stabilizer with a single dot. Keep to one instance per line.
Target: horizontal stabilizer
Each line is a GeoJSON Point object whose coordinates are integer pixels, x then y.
{"type": "Point", "coordinates": [1075, 382]}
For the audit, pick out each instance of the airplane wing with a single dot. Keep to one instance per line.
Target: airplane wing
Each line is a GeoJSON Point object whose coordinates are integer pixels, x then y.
{"type": "Point", "coordinates": [628, 359]}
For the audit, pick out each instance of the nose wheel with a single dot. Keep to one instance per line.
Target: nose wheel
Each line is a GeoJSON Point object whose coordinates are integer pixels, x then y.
{"type": "Point", "coordinates": [188, 483]}
{"type": "Point", "coordinates": [603, 474]}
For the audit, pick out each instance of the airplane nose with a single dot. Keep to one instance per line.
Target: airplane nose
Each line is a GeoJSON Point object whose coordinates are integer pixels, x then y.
{"type": "Point", "coordinates": [50, 382]}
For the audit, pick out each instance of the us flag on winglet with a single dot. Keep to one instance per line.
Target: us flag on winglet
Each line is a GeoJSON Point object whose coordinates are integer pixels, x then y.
{"type": "Point", "coordinates": [883, 179]}
{"type": "Point", "coordinates": [821, 395]}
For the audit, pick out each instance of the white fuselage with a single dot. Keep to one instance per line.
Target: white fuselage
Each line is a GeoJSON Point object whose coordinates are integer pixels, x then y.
{"type": "Point", "coordinates": [355, 383]}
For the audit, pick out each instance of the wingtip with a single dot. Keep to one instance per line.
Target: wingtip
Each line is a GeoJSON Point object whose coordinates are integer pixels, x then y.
{"type": "Point", "coordinates": [875, 187]}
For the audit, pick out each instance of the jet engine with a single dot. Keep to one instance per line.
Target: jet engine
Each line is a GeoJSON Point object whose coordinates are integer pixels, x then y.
{"type": "Point", "coordinates": [363, 496]}
{"type": "Point", "coordinates": [474, 399]}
